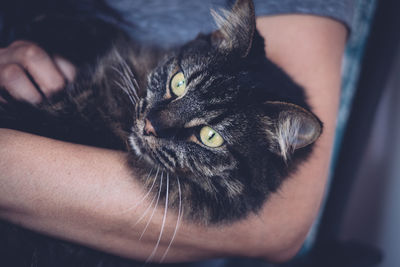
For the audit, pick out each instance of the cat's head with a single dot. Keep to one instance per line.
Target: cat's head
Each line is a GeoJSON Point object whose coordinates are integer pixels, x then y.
{"type": "Point", "coordinates": [221, 114]}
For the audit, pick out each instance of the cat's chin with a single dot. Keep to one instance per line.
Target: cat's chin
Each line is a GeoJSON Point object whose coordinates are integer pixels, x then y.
{"type": "Point", "coordinates": [144, 148]}
{"type": "Point", "coordinates": [139, 151]}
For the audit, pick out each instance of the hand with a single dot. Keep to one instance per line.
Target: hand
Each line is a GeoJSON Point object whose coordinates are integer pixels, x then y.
{"type": "Point", "coordinates": [28, 73]}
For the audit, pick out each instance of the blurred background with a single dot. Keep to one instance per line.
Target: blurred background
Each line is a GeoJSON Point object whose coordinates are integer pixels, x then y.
{"type": "Point", "coordinates": [361, 220]}
{"type": "Point", "coordinates": [372, 215]}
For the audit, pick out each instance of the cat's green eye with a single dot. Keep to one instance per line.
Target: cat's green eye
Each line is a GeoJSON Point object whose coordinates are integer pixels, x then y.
{"type": "Point", "coordinates": [178, 84]}
{"type": "Point", "coordinates": [210, 137]}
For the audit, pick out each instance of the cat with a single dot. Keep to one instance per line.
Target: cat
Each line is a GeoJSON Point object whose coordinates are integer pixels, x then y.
{"type": "Point", "coordinates": [211, 128]}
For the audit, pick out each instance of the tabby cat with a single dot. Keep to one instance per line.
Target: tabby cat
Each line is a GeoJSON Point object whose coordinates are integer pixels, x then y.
{"type": "Point", "coordinates": [212, 128]}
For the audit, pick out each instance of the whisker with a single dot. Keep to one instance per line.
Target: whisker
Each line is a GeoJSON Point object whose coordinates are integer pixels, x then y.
{"type": "Point", "coordinates": [178, 220]}
{"type": "Point", "coordinates": [163, 222]}
{"type": "Point", "coordinates": [151, 204]}
{"type": "Point", "coordinates": [129, 83]}
{"type": "Point", "coordinates": [128, 77]}
{"type": "Point", "coordinates": [131, 89]}
{"type": "Point", "coordinates": [145, 195]}
{"type": "Point", "coordinates": [132, 81]}
{"type": "Point", "coordinates": [137, 111]}
{"type": "Point", "coordinates": [131, 98]}
{"type": "Point", "coordinates": [154, 209]}
{"type": "Point", "coordinates": [136, 85]}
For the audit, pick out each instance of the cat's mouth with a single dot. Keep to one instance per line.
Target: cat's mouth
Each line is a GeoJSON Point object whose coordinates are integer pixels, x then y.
{"type": "Point", "coordinates": [149, 147]}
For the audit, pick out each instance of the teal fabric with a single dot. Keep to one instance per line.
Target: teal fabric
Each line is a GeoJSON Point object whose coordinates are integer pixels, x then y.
{"type": "Point", "coordinates": [341, 10]}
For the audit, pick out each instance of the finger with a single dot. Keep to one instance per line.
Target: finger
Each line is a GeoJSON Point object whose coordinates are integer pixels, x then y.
{"type": "Point", "coordinates": [41, 67]}
{"type": "Point", "coordinates": [14, 79]}
{"type": "Point", "coordinates": [67, 68]}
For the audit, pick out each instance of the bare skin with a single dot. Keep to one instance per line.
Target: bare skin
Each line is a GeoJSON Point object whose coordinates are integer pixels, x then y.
{"type": "Point", "coordinates": [88, 194]}
{"type": "Point", "coordinates": [50, 74]}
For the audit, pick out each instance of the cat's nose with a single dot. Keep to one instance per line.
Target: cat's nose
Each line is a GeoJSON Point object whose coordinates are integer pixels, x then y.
{"type": "Point", "coordinates": [148, 128]}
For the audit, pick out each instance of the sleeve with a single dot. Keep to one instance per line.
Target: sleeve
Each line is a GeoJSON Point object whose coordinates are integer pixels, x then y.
{"type": "Point", "coordinates": [341, 10]}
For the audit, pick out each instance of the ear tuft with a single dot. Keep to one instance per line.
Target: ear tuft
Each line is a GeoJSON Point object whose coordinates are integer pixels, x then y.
{"type": "Point", "coordinates": [236, 28]}
{"type": "Point", "coordinates": [294, 128]}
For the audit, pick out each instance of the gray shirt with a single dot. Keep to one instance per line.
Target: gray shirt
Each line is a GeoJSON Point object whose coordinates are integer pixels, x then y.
{"type": "Point", "coordinates": [173, 22]}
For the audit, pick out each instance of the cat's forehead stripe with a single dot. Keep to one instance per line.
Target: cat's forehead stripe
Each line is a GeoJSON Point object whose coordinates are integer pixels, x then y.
{"type": "Point", "coordinates": [194, 76]}
{"type": "Point", "coordinates": [195, 122]}
{"type": "Point", "coordinates": [218, 119]}
{"type": "Point", "coordinates": [206, 119]}
{"type": "Point", "coordinates": [206, 83]}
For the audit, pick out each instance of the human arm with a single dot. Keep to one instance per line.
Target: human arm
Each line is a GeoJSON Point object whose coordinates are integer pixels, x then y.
{"type": "Point", "coordinates": [81, 193]}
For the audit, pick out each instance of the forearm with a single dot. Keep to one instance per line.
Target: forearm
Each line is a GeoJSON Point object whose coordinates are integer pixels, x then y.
{"type": "Point", "coordinates": [89, 195]}
{"type": "Point", "coordinates": [62, 189]}
{"type": "Point", "coordinates": [310, 49]}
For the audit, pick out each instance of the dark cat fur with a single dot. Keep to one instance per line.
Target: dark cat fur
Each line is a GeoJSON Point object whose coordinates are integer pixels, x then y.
{"type": "Point", "coordinates": [260, 112]}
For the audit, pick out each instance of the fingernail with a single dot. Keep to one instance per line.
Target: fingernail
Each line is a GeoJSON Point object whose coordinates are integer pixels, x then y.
{"type": "Point", "coordinates": [66, 68]}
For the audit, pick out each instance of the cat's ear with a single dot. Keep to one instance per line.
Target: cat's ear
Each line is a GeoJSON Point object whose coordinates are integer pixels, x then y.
{"type": "Point", "coordinates": [235, 28]}
{"type": "Point", "coordinates": [290, 127]}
